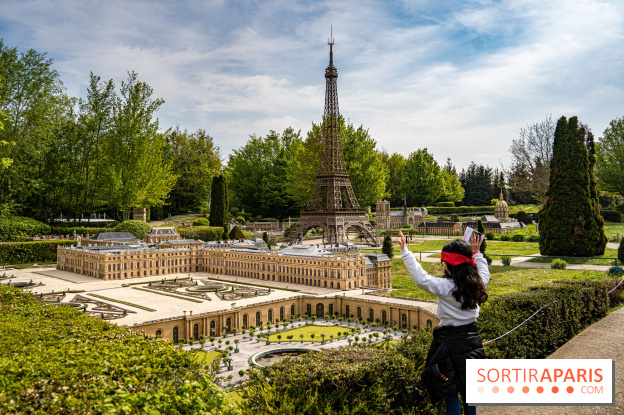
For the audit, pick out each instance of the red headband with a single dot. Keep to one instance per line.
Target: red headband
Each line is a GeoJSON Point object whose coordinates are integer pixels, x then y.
{"type": "Point", "coordinates": [456, 259]}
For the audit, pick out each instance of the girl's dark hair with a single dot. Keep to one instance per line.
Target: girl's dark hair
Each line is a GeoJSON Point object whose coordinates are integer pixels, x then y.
{"type": "Point", "coordinates": [470, 290]}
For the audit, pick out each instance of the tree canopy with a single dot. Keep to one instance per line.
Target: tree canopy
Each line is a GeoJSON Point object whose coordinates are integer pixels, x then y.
{"type": "Point", "coordinates": [422, 182]}
{"type": "Point", "coordinates": [610, 158]}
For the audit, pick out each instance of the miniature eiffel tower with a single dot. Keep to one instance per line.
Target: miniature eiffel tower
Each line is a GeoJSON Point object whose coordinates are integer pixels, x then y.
{"type": "Point", "coordinates": [332, 205]}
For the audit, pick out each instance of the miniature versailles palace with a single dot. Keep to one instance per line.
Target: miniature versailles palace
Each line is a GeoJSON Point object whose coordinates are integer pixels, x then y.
{"type": "Point", "coordinates": [341, 267]}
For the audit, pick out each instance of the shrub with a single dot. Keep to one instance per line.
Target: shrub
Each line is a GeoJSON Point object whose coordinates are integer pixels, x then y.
{"type": "Point", "coordinates": [558, 263]}
{"type": "Point", "coordinates": [15, 228]}
{"type": "Point", "coordinates": [344, 380]}
{"type": "Point", "coordinates": [615, 271]}
{"type": "Point", "coordinates": [30, 252]}
{"type": "Point", "coordinates": [445, 204]}
{"type": "Point", "coordinates": [517, 238]}
{"type": "Point", "coordinates": [524, 217]}
{"type": "Point", "coordinates": [532, 238]}
{"type": "Point", "coordinates": [570, 306]}
{"type": "Point", "coordinates": [200, 222]}
{"type": "Point", "coordinates": [493, 202]}
{"type": "Point", "coordinates": [489, 236]}
{"type": "Point", "coordinates": [506, 259]}
{"type": "Point", "coordinates": [612, 215]}
{"type": "Point", "coordinates": [505, 237]}
{"type": "Point", "coordinates": [236, 233]}
{"type": "Point", "coordinates": [138, 228]}
{"type": "Point", "coordinates": [52, 373]}
{"type": "Point", "coordinates": [203, 233]}
{"type": "Point", "coordinates": [241, 220]}
{"type": "Point", "coordinates": [455, 218]}
{"type": "Point", "coordinates": [621, 251]}
{"type": "Point", "coordinates": [386, 247]}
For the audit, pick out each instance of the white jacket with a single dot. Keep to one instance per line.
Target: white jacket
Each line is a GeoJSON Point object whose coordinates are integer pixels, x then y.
{"type": "Point", "coordinates": [449, 309]}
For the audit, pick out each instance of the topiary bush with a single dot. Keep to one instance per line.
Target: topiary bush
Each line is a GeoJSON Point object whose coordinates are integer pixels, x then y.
{"type": "Point", "coordinates": [386, 247]}
{"type": "Point", "coordinates": [138, 228]}
{"type": "Point", "coordinates": [55, 374]}
{"type": "Point", "coordinates": [12, 253]}
{"type": "Point", "coordinates": [524, 217]}
{"type": "Point", "coordinates": [16, 228]}
{"type": "Point", "coordinates": [203, 233]}
{"type": "Point", "coordinates": [570, 306]}
{"type": "Point", "coordinates": [558, 263]}
{"type": "Point", "coordinates": [200, 222]}
{"type": "Point", "coordinates": [236, 233]}
{"type": "Point", "coordinates": [612, 216]}
{"type": "Point", "coordinates": [506, 259]}
{"type": "Point", "coordinates": [517, 238]}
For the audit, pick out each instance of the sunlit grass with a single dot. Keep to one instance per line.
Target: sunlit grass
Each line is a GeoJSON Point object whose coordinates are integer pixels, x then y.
{"type": "Point", "coordinates": [603, 260]}
{"type": "Point", "coordinates": [310, 329]}
{"type": "Point", "coordinates": [205, 358]}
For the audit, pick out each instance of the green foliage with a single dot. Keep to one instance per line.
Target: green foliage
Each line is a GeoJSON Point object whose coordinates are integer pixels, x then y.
{"type": "Point", "coordinates": [265, 238]}
{"type": "Point", "coordinates": [523, 217]}
{"type": "Point", "coordinates": [15, 228]}
{"type": "Point", "coordinates": [55, 230]}
{"type": "Point", "coordinates": [445, 204]}
{"type": "Point", "coordinates": [236, 233]}
{"type": "Point", "coordinates": [610, 158]}
{"type": "Point", "coordinates": [517, 238]}
{"type": "Point", "coordinates": [506, 259]}
{"type": "Point", "coordinates": [138, 228]}
{"type": "Point", "coordinates": [455, 218]}
{"type": "Point", "coordinates": [620, 251]}
{"type": "Point", "coordinates": [241, 220]}
{"type": "Point", "coordinates": [12, 253]}
{"type": "Point", "coordinates": [219, 202]}
{"type": "Point", "coordinates": [477, 184]}
{"type": "Point", "coordinates": [386, 248]}
{"type": "Point", "coordinates": [347, 380]}
{"type": "Point", "coordinates": [612, 216]}
{"type": "Point", "coordinates": [55, 373]}
{"type": "Point", "coordinates": [570, 224]}
{"type": "Point", "coordinates": [558, 263]}
{"type": "Point", "coordinates": [481, 229]}
{"type": "Point", "coordinates": [422, 181]}
{"type": "Point", "coordinates": [196, 159]}
{"type": "Point", "coordinates": [453, 190]}
{"type": "Point", "coordinates": [203, 233]}
{"type": "Point", "coordinates": [200, 222]}
{"type": "Point", "coordinates": [570, 306]}
{"type": "Point", "coordinates": [395, 164]}
{"type": "Point", "coordinates": [460, 209]}
{"type": "Point", "coordinates": [72, 224]}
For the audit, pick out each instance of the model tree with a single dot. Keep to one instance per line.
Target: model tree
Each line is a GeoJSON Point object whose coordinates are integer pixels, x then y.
{"type": "Point", "coordinates": [386, 248]}
{"type": "Point", "coordinates": [236, 233]}
{"type": "Point", "coordinates": [569, 219]}
{"type": "Point", "coordinates": [265, 238]}
{"type": "Point", "coordinates": [621, 251]}
{"type": "Point", "coordinates": [481, 229]}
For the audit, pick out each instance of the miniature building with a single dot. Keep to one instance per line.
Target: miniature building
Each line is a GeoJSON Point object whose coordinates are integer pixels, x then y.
{"type": "Point", "coordinates": [440, 228]}
{"type": "Point", "coordinates": [111, 238]}
{"type": "Point", "coordinates": [262, 226]}
{"type": "Point", "coordinates": [389, 219]}
{"type": "Point", "coordinates": [300, 264]}
{"type": "Point", "coordinates": [157, 235]}
{"type": "Point", "coordinates": [139, 214]}
{"type": "Point", "coordinates": [501, 210]}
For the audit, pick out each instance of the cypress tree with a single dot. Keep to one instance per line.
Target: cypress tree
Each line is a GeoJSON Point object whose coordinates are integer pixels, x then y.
{"type": "Point", "coordinates": [386, 248]}
{"type": "Point", "coordinates": [481, 229]}
{"type": "Point", "coordinates": [621, 251]}
{"type": "Point", "coordinates": [265, 238]}
{"type": "Point", "coordinates": [568, 221]}
{"type": "Point", "coordinates": [219, 202]}
{"type": "Point", "coordinates": [598, 221]}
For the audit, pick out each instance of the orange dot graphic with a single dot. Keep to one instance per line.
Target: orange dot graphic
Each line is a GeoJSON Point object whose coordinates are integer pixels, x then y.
{"type": "Point", "coordinates": [480, 389]}
{"type": "Point", "coordinates": [495, 389]}
{"type": "Point", "coordinates": [525, 389]}
{"type": "Point", "coordinates": [540, 389]}
{"type": "Point", "coordinates": [510, 389]}
{"type": "Point", "coordinates": [555, 389]}
{"type": "Point", "coordinates": [570, 389]}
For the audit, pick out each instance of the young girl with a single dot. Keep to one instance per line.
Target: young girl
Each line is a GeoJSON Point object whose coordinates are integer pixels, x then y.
{"type": "Point", "coordinates": [456, 338]}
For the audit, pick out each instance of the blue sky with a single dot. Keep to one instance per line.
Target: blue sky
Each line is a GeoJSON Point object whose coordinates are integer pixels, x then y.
{"type": "Point", "coordinates": [460, 78]}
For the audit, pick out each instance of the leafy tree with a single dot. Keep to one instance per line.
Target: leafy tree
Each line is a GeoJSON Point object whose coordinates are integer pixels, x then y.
{"type": "Point", "coordinates": [453, 190]}
{"type": "Point", "coordinates": [196, 160]}
{"type": "Point", "coordinates": [422, 182]}
{"type": "Point", "coordinates": [530, 159]}
{"type": "Point", "coordinates": [136, 173]}
{"type": "Point", "coordinates": [219, 202]}
{"type": "Point", "coordinates": [477, 184]}
{"type": "Point", "coordinates": [138, 228]}
{"type": "Point", "coordinates": [610, 158]}
{"type": "Point", "coordinates": [395, 164]}
{"type": "Point", "coordinates": [386, 248]}
{"type": "Point", "coordinates": [569, 223]}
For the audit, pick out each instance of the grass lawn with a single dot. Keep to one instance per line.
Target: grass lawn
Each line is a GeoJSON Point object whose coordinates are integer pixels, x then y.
{"type": "Point", "coordinates": [609, 253]}
{"type": "Point", "coordinates": [205, 358]}
{"type": "Point", "coordinates": [504, 279]}
{"type": "Point", "coordinates": [613, 228]}
{"type": "Point", "coordinates": [307, 330]}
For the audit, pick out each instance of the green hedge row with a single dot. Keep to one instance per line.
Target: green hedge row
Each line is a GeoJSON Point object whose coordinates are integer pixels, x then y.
{"type": "Point", "coordinates": [204, 233]}
{"type": "Point", "coordinates": [570, 306]}
{"type": "Point", "coordinates": [16, 228]}
{"type": "Point", "coordinates": [56, 230]}
{"type": "Point", "coordinates": [72, 224]}
{"type": "Point", "coordinates": [434, 210]}
{"type": "Point", "coordinates": [30, 252]}
{"type": "Point", "coordinates": [612, 215]}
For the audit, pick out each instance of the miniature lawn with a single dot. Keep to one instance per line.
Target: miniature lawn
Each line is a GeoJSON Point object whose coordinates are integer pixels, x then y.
{"type": "Point", "coordinates": [307, 330]}
{"type": "Point", "coordinates": [504, 280]}
{"type": "Point", "coordinates": [603, 260]}
{"type": "Point", "coordinates": [611, 229]}
{"type": "Point", "coordinates": [205, 358]}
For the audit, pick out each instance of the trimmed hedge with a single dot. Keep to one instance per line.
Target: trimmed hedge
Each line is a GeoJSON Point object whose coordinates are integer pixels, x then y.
{"type": "Point", "coordinates": [200, 222]}
{"type": "Point", "coordinates": [445, 204]}
{"type": "Point", "coordinates": [16, 228]}
{"type": "Point", "coordinates": [72, 224]}
{"type": "Point", "coordinates": [523, 217]}
{"type": "Point", "coordinates": [612, 215]}
{"type": "Point", "coordinates": [204, 233]}
{"type": "Point", "coordinates": [433, 210]}
{"type": "Point", "coordinates": [570, 306]}
{"type": "Point", "coordinates": [236, 233]}
{"type": "Point", "coordinates": [30, 252]}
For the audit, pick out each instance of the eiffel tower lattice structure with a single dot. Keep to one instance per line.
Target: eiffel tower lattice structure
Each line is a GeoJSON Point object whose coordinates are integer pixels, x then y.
{"type": "Point", "coordinates": [332, 205]}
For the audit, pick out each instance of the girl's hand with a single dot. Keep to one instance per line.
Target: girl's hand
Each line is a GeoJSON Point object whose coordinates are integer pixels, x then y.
{"type": "Point", "coordinates": [402, 242]}
{"type": "Point", "coordinates": [475, 241]}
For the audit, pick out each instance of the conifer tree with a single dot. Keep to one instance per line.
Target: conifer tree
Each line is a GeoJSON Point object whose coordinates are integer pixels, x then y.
{"type": "Point", "coordinates": [219, 202]}
{"type": "Point", "coordinates": [569, 223]}
{"type": "Point", "coordinates": [481, 229]}
{"type": "Point", "coordinates": [621, 251]}
{"type": "Point", "coordinates": [236, 233]}
{"type": "Point", "coordinates": [265, 238]}
{"type": "Point", "coordinates": [601, 242]}
{"type": "Point", "coordinates": [386, 248]}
